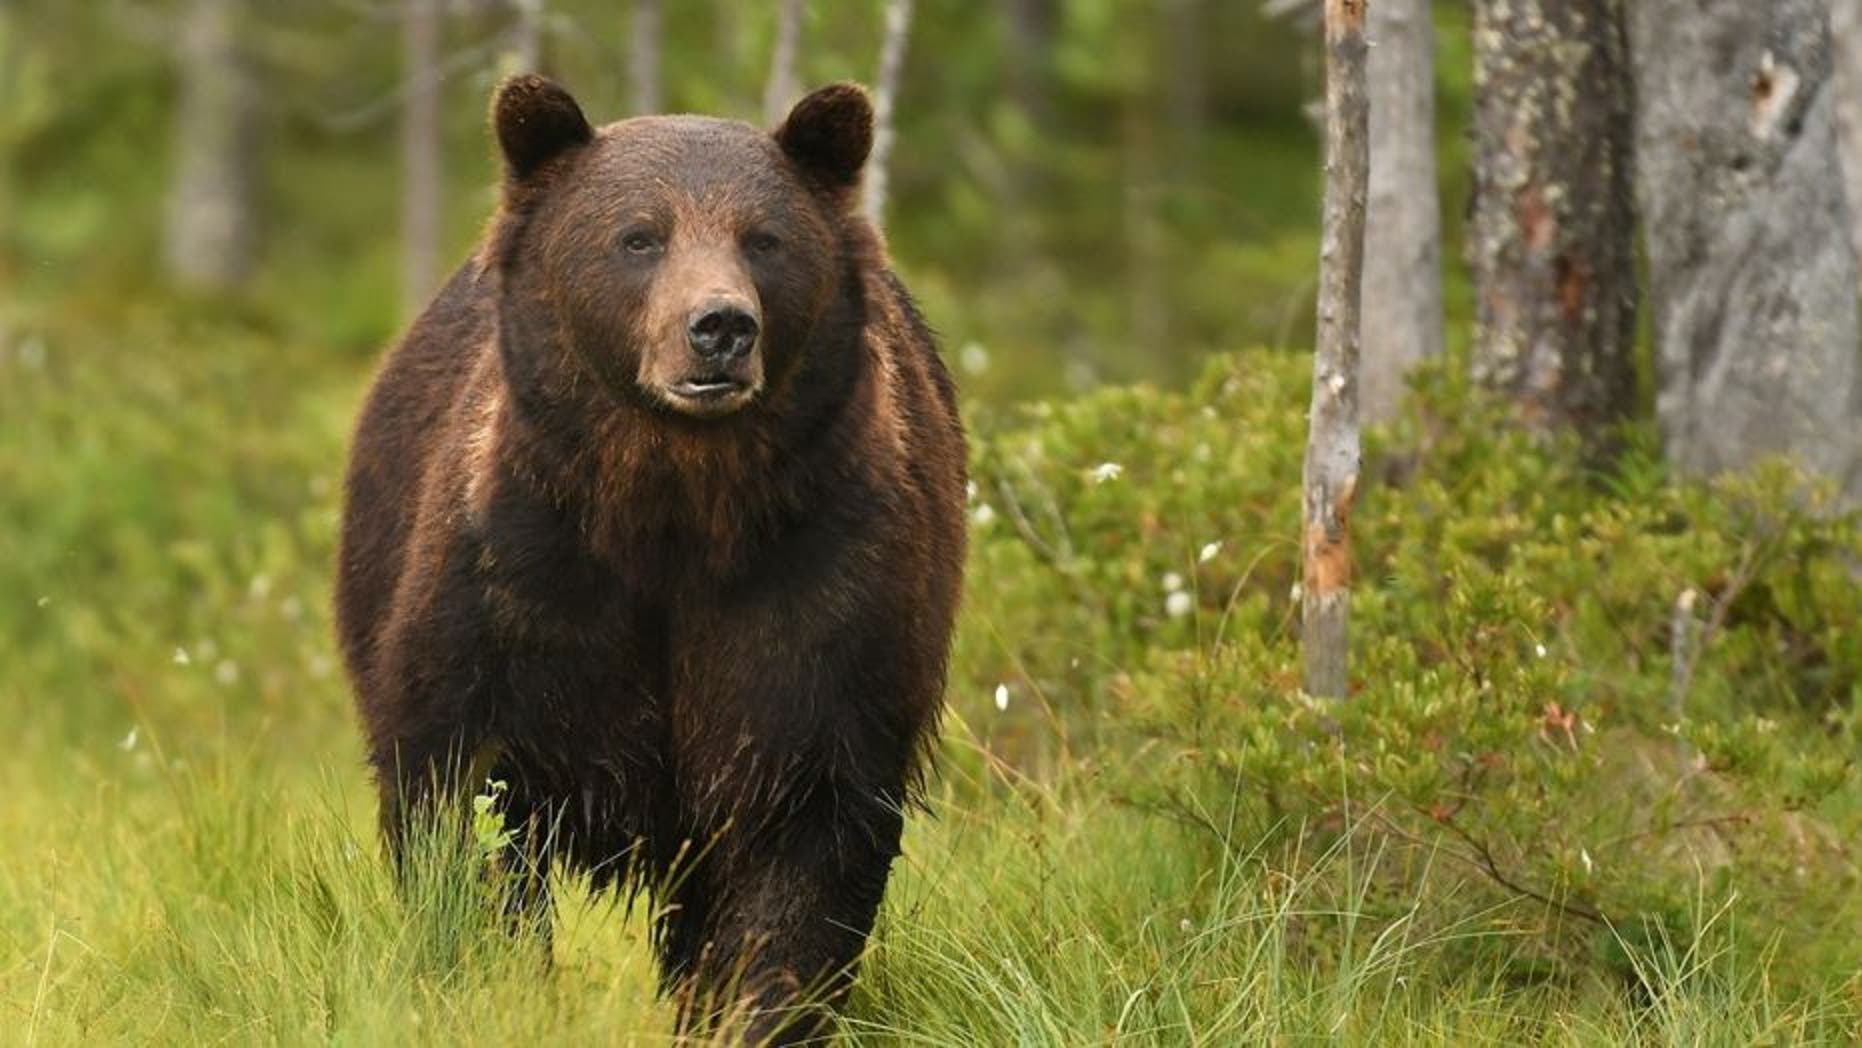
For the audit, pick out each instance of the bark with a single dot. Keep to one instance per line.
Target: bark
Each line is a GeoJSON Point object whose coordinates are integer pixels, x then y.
{"type": "Point", "coordinates": [212, 225]}
{"type": "Point", "coordinates": [527, 36]}
{"type": "Point", "coordinates": [421, 142]}
{"type": "Point", "coordinates": [1403, 232]}
{"type": "Point", "coordinates": [1752, 271]}
{"type": "Point", "coordinates": [885, 100]}
{"type": "Point", "coordinates": [643, 51]}
{"type": "Point", "coordinates": [784, 82]}
{"type": "Point", "coordinates": [1551, 243]}
{"type": "Point", "coordinates": [1032, 26]}
{"type": "Point", "coordinates": [1846, 38]}
{"type": "Point", "coordinates": [1146, 250]}
{"type": "Point", "coordinates": [1186, 78]}
{"type": "Point", "coordinates": [1332, 446]}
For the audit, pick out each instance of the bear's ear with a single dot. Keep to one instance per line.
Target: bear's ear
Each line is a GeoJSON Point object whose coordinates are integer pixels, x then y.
{"type": "Point", "coordinates": [536, 121]}
{"type": "Point", "coordinates": [829, 133]}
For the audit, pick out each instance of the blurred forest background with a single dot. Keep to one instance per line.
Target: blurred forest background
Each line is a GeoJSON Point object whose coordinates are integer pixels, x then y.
{"type": "Point", "coordinates": [1596, 779]}
{"type": "Point", "coordinates": [1081, 192]}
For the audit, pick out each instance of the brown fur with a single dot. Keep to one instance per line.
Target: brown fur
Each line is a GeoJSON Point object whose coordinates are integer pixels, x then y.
{"type": "Point", "coordinates": [704, 640]}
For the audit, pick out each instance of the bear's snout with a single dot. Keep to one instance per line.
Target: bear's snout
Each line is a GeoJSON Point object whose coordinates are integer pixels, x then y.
{"type": "Point", "coordinates": [722, 330]}
{"type": "Point", "coordinates": [720, 369]}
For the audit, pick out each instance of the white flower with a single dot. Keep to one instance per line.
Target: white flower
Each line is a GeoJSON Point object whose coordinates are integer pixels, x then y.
{"type": "Point", "coordinates": [969, 491]}
{"type": "Point", "coordinates": [1106, 471]}
{"type": "Point", "coordinates": [129, 741]}
{"type": "Point", "coordinates": [983, 514]}
{"type": "Point", "coordinates": [181, 658]}
{"type": "Point", "coordinates": [1539, 649]}
{"type": "Point", "coordinates": [1002, 696]}
{"type": "Point", "coordinates": [973, 358]}
{"type": "Point", "coordinates": [1179, 604]}
{"type": "Point", "coordinates": [1209, 552]}
{"type": "Point", "coordinates": [1173, 582]}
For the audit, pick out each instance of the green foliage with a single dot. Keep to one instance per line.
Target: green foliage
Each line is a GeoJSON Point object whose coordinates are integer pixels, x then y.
{"type": "Point", "coordinates": [1592, 693]}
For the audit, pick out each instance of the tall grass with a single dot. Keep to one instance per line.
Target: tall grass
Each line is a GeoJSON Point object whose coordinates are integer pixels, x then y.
{"type": "Point", "coordinates": [187, 837]}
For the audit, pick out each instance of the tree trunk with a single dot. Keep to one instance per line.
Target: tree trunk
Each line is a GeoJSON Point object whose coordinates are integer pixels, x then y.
{"type": "Point", "coordinates": [1031, 30]}
{"type": "Point", "coordinates": [885, 100]}
{"type": "Point", "coordinates": [421, 165]}
{"type": "Point", "coordinates": [527, 36]}
{"type": "Point", "coordinates": [1186, 88]}
{"type": "Point", "coordinates": [643, 51]}
{"type": "Point", "coordinates": [1403, 232]}
{"type": "Point", "coordinates": [212, 223]}
{"type": "Point", "coordinates": [1846, 40]}
{"type": "Point", "coordinates": [784, 82]}
{"type": "Point", "coordinates": [1331, 472]}
{"type": "Point", "coordinates": [1752, 272]}
{"type": "Point", "coordinates": [1145, 253]}
{"type": "Point", "coordinates": [1551, 243]}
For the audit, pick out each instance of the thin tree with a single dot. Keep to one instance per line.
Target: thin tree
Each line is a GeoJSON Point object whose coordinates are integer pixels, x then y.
{"type": "Point", "coordinates": [421, 142]}
{"type": "Point", "coordinates": [885, 100]}
{"type": "Point", "coordinates": [210, 240]}
{"type": "Point", "coordinates": [784, 81]}
{"type": "Point", "coordinates": [643, 51]}
{"type": "Point", "coordinates": [1752, 273]}
{"type": "Point", "coordinates": [1403, 234]}
{"type": "Point", "coordinates": [1550, 242]}
{"type": "Point", "coordinates": [527, 36]}
{"type": "Point", "coordinates": [1032, 26]}
{"type": "Point", "coordinates": [1332, 444]}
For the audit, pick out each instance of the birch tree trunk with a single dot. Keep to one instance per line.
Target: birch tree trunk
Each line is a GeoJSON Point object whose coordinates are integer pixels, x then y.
{"type": "Point", "coordinates": [1846, 41]}
{"type": "Point", "coordinates": [421, 165]}
{"type": "Point", "coordinates": [784, 82]}
{"type": "Point", "coordinates": [527, 38]}
{"type": "Point", "coordinates": [1403, 231]}
{"type": "Point", "coordinates": [211, 223]}
{"type": "Point", "coordinates": [1551, 243]}
{"type": "Point", "coordinates": [643, 51]}
{"type": "Point", "coordinates": [885, 100]}
{"type": "Point", "coordinates": [1332, 451]}
{"type": "Point", "coordinates": [1752, 271]}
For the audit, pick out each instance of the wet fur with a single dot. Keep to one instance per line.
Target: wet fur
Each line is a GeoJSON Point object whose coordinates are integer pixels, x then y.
{"type": "Point", "coordinates": [707, 655]}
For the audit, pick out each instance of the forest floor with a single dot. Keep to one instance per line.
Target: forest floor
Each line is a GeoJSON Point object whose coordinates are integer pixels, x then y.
{"type": "Point", "coordinates": [187, 849]}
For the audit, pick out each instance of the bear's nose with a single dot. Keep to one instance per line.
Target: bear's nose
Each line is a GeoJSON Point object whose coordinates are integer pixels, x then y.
{"type": "Point", "coordinates": [721, 331]}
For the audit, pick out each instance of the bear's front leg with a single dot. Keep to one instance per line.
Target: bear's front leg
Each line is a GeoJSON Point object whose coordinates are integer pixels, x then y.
{"type": "Point", "coordinates": [790, 886]}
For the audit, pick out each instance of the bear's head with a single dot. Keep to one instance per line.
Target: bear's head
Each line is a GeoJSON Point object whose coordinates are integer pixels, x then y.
{"type": "Point", "coordinates": [684, 261]}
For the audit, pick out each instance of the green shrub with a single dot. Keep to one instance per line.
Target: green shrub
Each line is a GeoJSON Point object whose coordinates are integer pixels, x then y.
{"type": "Point", "coordinates": [1600, 695]}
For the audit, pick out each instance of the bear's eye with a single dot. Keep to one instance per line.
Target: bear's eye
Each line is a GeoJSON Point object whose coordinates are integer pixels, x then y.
{"type": "Point", "coordinates": [639, 242]}
{"type": "Point", "coordinates": [762, 243]}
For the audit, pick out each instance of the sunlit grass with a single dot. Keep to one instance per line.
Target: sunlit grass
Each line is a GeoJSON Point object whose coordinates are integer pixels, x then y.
{"type": "Point", "coordinates": [188, 851]}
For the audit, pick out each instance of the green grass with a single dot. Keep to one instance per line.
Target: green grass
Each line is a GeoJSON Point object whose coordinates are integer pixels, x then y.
{"type": "Point", "coordinates": [187, 849]}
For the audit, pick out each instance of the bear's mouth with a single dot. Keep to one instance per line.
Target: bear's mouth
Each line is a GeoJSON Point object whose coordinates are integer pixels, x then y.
{"type": "Point", "coordinates": [708, 388]}
{"type": "Point", "coordinates": [707, 395]}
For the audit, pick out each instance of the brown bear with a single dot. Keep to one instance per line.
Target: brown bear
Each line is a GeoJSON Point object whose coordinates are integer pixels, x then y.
{"type": "Point", "coordinates": [656, 514]}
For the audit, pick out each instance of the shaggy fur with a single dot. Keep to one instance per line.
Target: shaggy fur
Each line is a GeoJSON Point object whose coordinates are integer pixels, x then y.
{"type": "Point", "coordinates": [706, 651]}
